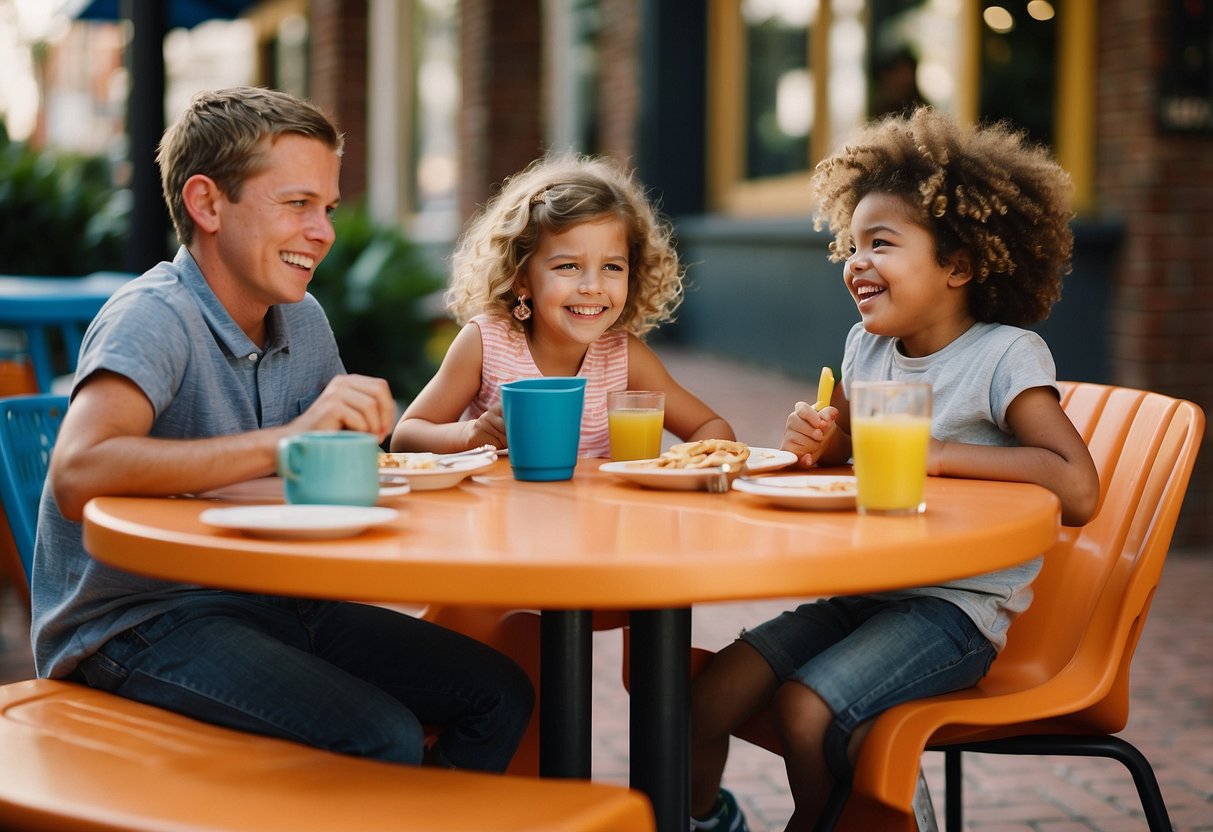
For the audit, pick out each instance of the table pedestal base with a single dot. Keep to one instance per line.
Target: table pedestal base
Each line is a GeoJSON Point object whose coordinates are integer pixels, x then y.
{"type": "Point", "coordinates": [565, 675]}
{"type": "Point", "coordinates": [660, 713]}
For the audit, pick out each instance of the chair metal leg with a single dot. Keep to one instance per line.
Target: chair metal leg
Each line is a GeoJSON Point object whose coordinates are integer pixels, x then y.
{"type": "Point", "coordinates": [953, 791]}
{"type": "Point", "coordinates": [1100, 745]}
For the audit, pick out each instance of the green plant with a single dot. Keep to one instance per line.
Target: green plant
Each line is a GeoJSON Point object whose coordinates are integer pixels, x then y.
{"type": "Point", "coordinates": [373, 285]}
{"type": "Point", "coordinates": [60, 213]}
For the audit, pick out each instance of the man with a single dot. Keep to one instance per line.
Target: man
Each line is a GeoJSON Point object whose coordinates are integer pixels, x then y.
{"type": "Point", "coordinates": [187, 380]}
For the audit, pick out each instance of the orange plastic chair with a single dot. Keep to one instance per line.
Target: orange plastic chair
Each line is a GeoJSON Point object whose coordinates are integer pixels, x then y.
{"type": "Point", "coordinates": [74, 759]}
{"type": "Point", "coordinates": [1061, 686]}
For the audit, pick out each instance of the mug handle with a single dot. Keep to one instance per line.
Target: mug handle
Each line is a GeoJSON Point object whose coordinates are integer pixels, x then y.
{"type": "Point", "coordinates": [287, 455]}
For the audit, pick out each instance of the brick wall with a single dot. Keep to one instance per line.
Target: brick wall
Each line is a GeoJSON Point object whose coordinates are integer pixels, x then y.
{"type": "Point", "coordinates": [619, 92]}
{"type": "Point", "coordinates": [1162, 186]}
{"type": "Point", "coordinates": [339, 81]}
{"type": "Point", "coordinates": [500, 125]}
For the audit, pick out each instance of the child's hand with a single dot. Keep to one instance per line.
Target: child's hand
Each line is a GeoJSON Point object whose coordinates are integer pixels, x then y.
{"type": "Point", "coordinates": [806, 432]}
{"type": "Point", "coordinates": [487, 429]}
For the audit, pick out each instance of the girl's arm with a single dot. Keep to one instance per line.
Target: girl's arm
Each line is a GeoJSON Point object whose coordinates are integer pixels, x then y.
{"type": "Point", "coordinates": [432, 421]}
{"type": "Point", "coordinates": [1051, 453]}
{"type": "Point", "coordinates": [686, 416]}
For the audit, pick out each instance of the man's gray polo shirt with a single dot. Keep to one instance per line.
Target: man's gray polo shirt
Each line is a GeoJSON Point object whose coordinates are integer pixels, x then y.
{"type": "Point", "coordinates": [167, 332]}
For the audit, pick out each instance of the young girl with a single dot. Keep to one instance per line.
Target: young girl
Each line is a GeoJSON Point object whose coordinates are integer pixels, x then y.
{"type": "Point", "coordinates": [951, 240]}
{"type": "Point", "coordinates": [559, 275]}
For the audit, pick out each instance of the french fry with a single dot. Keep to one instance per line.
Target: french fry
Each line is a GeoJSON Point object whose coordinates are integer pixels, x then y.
{"type": "Point", "coordinates": [825, 388]}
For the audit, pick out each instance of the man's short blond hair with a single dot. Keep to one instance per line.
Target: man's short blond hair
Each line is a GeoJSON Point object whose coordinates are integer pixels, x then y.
{"type": "Point", "coordinates": [226, 135]}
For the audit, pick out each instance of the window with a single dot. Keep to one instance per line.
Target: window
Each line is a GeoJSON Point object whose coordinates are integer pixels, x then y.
{"type": "Point", "coordinates": [789, 79]}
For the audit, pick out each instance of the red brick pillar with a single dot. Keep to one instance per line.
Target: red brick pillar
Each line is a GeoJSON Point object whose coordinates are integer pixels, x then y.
{"type": "Point", "coordinates": [619, 93]}
{"type": "Point", "coordinates": [1161, 184]}
{"type": "Point", "coordinates": [501, 118]}
{"type": "Point", "coordinates": [339, 81]}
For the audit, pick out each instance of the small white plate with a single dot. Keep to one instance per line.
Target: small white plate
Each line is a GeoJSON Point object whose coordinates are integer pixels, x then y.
{"type": "Point", "coordinates": [444, 476]}
{"type": "Point", "coordinates": [303, 522]}
{"type": "Point", "coordinates": [642, 472]}
{"type": "Point", "coordinates": [811, 491]}
{"type": "Point", "coordinates": [270, 489]}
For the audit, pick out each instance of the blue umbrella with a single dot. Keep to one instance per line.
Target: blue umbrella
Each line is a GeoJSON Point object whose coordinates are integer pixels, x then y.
{"type": "Point", "coordinates": [148, 240]}
{"type": "Point", "coordinates": [181, 13]}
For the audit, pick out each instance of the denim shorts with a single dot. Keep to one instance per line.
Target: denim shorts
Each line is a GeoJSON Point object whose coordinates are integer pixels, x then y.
{"type": "Point", "coordinates": [864, 654]}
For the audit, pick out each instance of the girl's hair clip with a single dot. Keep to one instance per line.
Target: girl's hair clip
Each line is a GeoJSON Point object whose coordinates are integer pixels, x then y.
{"type": "Point", "coordinates": [543, 197]}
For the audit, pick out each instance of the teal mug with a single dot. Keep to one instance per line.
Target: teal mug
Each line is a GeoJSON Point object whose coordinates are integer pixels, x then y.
{"type": "Point", "coordinates": [543, 426]}
{"type": "Point", "coordinates": [331, 468]}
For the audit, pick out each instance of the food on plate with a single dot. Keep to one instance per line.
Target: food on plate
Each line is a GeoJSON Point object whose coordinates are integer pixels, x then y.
{"type": "Point", "coordinates": [827, 487]}
{"type": "Point", "coordinates": [706, 453]}
{"type": "Point", "coordinates": [409, 462]}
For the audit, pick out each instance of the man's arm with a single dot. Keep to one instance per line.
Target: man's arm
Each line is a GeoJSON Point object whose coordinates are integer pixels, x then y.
{"type": "Point", "coordinates": [104, 447]}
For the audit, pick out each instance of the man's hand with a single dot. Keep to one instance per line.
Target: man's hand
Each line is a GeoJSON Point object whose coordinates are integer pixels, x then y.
{"type": "Point", "coordinates": [351, 402]}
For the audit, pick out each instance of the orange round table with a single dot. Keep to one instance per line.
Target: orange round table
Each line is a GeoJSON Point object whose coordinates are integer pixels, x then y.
{"type": "Point", "coordinates": [595, 542]}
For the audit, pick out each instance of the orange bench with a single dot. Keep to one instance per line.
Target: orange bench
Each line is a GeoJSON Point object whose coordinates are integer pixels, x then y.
{"type": "Point", "coordinates": [73, 758]}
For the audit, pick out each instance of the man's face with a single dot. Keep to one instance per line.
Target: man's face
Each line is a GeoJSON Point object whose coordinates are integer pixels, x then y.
{"type": "Point", "coordinates": [271, 241]}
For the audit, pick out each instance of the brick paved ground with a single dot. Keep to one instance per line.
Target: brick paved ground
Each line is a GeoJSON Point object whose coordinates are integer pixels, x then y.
{"type": "Point", "coordinates": [1172, 700]}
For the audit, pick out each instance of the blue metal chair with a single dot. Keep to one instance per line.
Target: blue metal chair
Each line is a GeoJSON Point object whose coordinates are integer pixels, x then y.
{"type": "Point", "coordinates": [29, 426]}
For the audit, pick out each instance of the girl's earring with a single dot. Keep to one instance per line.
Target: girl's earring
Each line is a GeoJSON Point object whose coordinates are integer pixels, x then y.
{"type": "Point", "coordinates": [521, 311]}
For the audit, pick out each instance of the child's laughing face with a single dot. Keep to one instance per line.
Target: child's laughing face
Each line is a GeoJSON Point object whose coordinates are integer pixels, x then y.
{"type": "Point", "coordinates": [898, 284]}
{"type": "Point", "coordinates": [578, 281]}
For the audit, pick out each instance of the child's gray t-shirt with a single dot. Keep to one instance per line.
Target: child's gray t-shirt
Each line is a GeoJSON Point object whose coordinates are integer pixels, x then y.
{"type": "Point", "coordinates": [974, 379]}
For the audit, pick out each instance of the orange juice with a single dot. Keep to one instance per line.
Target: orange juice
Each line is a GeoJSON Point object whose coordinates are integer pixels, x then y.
{"type": "Point", "coordinates": [635, 433]}
{"type": "Point", "coordinates": [890, 462]}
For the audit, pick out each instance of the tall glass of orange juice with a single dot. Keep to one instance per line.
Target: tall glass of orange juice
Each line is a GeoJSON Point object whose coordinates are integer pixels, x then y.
{"type": "Point", "coordinates": [636, 418]}
{"type": "Point", "coordinates": [890, 435]}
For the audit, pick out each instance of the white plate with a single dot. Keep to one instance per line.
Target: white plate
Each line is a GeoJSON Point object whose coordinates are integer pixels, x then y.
{"type": "Point", "coordinates": [444, 476]}
{"type": "Point", "coordinates": [693, 479]}
{"type": "Point", "coordinates": [812, 491]}
{"type": "Point", "coordinates": [305, 522]}
{"type": "Point", "coordinates": [270, 490]}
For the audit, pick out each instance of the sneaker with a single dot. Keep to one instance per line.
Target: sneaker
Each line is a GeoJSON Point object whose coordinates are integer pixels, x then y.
{"type": "Point", "coordinates": [726, 817]}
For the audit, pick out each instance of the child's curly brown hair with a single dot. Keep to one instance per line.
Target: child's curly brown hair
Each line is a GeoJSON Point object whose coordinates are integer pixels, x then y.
{"type": "Point", "coordinates": [985, 190]}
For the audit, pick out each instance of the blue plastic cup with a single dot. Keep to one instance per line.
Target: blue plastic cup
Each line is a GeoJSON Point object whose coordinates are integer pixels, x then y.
{"type": "Point", "coordinates": [543, 426]}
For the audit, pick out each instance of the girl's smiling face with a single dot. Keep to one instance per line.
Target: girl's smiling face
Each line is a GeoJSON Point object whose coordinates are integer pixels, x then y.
{"type": "Point", "coordinates": [578, 282]}
{"type": "Point", "coordinates": [897, 282]}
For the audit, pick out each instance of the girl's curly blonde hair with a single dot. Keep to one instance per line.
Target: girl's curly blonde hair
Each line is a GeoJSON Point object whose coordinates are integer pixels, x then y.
{"type": "Point", "coordinates": [553, 194]}
{"type": "Point", "coordinates": [985, 190]}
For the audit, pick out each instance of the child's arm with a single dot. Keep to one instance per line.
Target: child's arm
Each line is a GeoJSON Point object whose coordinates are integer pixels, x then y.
{"type": "Point", "coordinates": [431, 422]}
{"type": "Point", "coordinates": [1051, 453]}
{"type": "Point", "coordinates": [686, 415]}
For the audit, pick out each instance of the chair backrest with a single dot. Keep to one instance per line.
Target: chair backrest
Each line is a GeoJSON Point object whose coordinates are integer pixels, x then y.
{"type": "Point", "coordinates": [29, 426]}
{"type": "Point", "coordinates": [1095, 588]}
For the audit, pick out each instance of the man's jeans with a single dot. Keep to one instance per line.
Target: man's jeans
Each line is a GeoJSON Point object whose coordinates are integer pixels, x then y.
{"type": "Point", "coordinates": [350, 678]}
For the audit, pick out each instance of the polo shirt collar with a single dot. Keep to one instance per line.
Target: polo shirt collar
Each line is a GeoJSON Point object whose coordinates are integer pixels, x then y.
{"type": "Point", "coordinates": [227, 332]}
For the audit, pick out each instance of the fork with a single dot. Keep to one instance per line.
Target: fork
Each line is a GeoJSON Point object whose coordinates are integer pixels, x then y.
{"type": "Point", "coordinates": [720, 482]}
{"type": "Point", "coordinates": [446, 460]}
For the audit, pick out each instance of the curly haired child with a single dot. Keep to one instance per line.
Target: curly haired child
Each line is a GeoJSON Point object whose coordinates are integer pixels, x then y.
{"type": "Point", "coordinates": [560, 274]}
{"type": "Point", "coordinates": [952, 239]}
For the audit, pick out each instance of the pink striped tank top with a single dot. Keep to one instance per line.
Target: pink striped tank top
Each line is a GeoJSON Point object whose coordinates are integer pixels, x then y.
{"type": "Point", "coordinates": [508, 357]}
